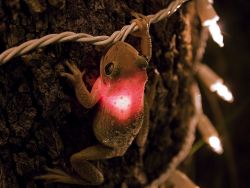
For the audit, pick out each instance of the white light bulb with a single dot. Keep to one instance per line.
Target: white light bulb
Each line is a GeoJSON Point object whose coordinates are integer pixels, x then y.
{"type": "Point", "coordinates": [215, 32]}
{"type": "Point", "coordinates": [215, 144]}
{"type": "Point", "coordinates": [222, 91]}
{"type": "Point", "coordinates": [209, 19]}
{"type": "Point", "coordinates": [214, 82]}
{"type": "Point", "coordinates": [209, 134]}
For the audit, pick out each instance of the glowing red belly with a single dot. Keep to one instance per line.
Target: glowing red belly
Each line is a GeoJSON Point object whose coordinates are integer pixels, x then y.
{"type": "Point", "coordinates": [123, 99]}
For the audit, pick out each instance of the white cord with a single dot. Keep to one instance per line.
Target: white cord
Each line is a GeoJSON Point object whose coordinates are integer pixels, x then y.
{"type": "Point", "coordinates": [83, 37]}
{"type": "Point", "coordinates": [186, 146]}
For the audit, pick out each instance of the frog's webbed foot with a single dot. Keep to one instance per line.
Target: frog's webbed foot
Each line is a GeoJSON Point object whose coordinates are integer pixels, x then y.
{"type": "Point", "coordinates": [59, 176]}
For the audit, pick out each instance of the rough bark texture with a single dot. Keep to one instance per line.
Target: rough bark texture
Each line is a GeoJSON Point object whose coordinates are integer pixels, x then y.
{"type": "Point", "coordinates": [41, 123]}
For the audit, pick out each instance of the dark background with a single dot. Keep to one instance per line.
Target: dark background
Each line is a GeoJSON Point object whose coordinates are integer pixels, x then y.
{"type": "Point", "coordinates": [231, 62]}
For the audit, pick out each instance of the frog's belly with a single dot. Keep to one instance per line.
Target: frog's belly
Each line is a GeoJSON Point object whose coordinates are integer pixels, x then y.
{"type": "Point", "coordinates": [115, 133]}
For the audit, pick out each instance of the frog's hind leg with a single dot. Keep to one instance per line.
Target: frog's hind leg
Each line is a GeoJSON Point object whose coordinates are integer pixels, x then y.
{"type": "Point", "coordinates": [88, 174]}
{"type": "Point", "coordinates": [85, 169]}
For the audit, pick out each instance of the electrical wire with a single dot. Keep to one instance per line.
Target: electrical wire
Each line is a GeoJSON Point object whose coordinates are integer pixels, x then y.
{"type": "Point", "coordinates": [83, 37]}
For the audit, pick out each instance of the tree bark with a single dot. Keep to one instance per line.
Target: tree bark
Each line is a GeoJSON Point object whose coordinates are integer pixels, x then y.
{"type": "Point", "coordinates": [41, 122]}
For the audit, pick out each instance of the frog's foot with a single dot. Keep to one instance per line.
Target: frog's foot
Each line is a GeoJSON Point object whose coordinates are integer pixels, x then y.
{"type": "Point", "coordinates": [75, 76]}
{"type": "Point", "coordinates": [59, 176]}
{"type": "Point", "coordinates": [142, 22]}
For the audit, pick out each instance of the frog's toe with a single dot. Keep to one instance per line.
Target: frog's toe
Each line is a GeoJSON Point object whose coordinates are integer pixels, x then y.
{"type": "Point", "coordinates": [67, 75]}
{"type": "Point", "coordinates": [138, 15]}
{"type": "Point", "coordinates": [59, 176]}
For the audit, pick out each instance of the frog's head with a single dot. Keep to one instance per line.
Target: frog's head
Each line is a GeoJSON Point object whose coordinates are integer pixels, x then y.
{"type": "Point", "coordinates": [122, 61]}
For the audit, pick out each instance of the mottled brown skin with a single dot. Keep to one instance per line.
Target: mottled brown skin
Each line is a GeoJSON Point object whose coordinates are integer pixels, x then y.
{"type": "Point", "coordinates": [121, 61]}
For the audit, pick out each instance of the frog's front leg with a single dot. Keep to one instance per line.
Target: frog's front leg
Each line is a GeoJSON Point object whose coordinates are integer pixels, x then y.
{"type": "Point", "coordinates": [85, 98]}
{"type": "Point", "coordinates": [143, 32]}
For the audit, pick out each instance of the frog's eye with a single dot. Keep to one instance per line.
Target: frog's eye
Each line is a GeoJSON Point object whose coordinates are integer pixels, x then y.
{"type": "Point", "coordinates": [109, 68]}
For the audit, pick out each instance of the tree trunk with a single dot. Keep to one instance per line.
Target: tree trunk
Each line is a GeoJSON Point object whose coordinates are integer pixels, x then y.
{"type": "Point", "coordinates": [41, 122]}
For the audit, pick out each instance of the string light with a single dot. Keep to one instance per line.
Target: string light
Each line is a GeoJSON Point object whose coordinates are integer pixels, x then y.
{"type": "Point", "coordinates": [209, 134]}
{"type": "Point", "coordinates": [206, 128]}
{"type": "Point", "coordinates": [180, 180]}
{"type": "Point", "coordinates": [215, 143]}
{"type": "Point", "coordinates": [87, 38]}
{"type": "Point", "coordinates": [209, 18]}
{"type": "Point", "coordinates": [213, 82]}
{"type": "Point", "coordinates": [215, 32]}
{"type": "Point", "coordinates": [222, 91]}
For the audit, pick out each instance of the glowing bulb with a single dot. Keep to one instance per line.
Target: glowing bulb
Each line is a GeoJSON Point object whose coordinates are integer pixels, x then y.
{"type": "Point", "coordinates": [222, 91]}
{"type": "Point", "coordinates": [215, 32]}
{"type": "Point", "coordinates": [122, 102]}
{"type": "Point", "coordinates": [209, 134]}
{"type": "Point", "coordinates": [215, 144]}
{"type": "Point", "coordinates": [209, 19]}
{"type": "Point", "coordinates": [213, 82]}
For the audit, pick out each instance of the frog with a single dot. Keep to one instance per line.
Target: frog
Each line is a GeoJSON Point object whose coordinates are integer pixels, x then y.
{"type": "Point", "coordinates": [123, 110]}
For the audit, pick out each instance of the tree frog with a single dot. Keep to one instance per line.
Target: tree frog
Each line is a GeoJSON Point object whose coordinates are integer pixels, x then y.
{"type": "Point", "coordinates": [123, 113]}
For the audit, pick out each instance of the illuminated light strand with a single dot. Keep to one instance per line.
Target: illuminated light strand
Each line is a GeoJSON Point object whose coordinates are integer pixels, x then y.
{"type": "Point", "coordinates": [83, 37]}
{"type": "Point", "coordinates": [215, 32]}
{"type": "Point", "coordinates": [215, 143]}
{"type": "Point", "coordinates": [209, 134]}
{"type": "Point", "coordinates": [209, 18]}
{"type": "Point", "coordinates": [179, 179]}
{"type": "Point", "coordinates": [207, 130]}
{"type": "Point", "coordinates": [222, 91]}
{"type": "Point", "coordinates": [186, 146]}
{"type": "Point", "coordinates": [213, 82]}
